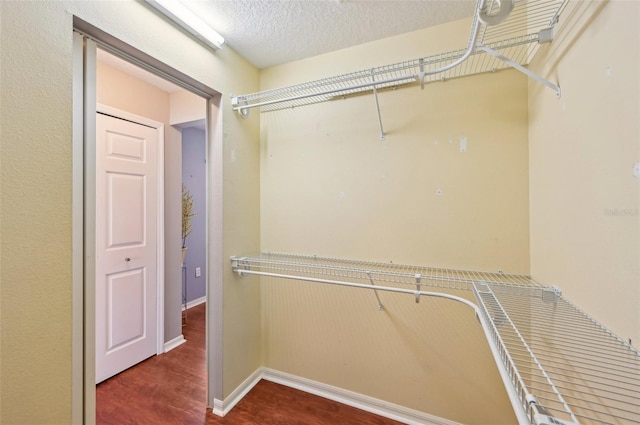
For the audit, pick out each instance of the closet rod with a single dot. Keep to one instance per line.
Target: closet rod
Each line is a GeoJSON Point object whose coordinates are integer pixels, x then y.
{"type": "Point", "coordinates": [473, 39]}
{"type": "Point", "coordinates": [360, 285]}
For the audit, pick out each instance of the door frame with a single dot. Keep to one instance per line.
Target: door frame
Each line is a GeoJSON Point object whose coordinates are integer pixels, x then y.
{"type": "Point", "coordinates": [160, 257]}
{"type": "Point", "coordinates": [86, 39]}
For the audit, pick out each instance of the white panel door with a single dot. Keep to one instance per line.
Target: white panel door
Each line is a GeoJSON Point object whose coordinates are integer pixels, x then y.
{"type": "Point", "coordinates": [126, 244]}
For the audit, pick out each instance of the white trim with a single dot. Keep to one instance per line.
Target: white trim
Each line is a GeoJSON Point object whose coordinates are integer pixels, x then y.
{"type": "Point", "coordinates": [77, 231]}
{"type": "Point", "coordinates": [350, 398]}
{"type": "Point", "coordinates": [118, 113]}
{"type": "Point", "coordinates": [175, 342]}
{"type": "Point", "coordinates": [197, 301]}
{"type": "Point", "coordinates": [222, 407]}
{"type": "Point", "coordinates": [218, 408]}
{"type": "Point", "coordinates": [216, 262]}
{"type": "Point", "coordinates": [359, 401]}
{"type": "Point", "coordinates": [160, 252]}
{"type": "Point", "coordinates": [90, 101]}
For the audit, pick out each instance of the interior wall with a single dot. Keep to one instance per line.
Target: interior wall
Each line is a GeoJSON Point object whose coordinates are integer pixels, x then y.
{"type": "Point", "coordinates": [585, 201]}
{"type": "Point", "coordinates": [36, 175]}
{"type": "Point", "coordinates": [187, 109]}
{"type": "Point", "coordinates": [194, 177]}
{"type": "Point", "coordinates": [122, 91]}
{"type": "Point", "coordinates": [331, 187]}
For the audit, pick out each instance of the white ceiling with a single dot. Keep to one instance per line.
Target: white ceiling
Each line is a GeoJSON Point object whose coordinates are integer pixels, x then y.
{"type": "Point", "coordinates": [272, 32]}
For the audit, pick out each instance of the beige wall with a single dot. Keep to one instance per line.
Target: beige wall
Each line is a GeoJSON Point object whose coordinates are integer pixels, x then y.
{"type": "Point", "coordinates": [186, 108]}
{"type": "Point", "coordinates": [585, 202]}
{"type": "Point", "coordinates": [35, 217]}
{"type": "Point", "coordinates": [430, 356]}
{"type": "Point", "coordinates": [330, 187]}
{"type": "Point", "coordinates": [122, 91]}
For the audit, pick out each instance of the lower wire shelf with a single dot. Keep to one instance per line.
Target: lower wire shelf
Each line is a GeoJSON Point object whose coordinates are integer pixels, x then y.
{"type": "Point", "coordinates": [565, 367]}
{"type": "Point", "coordinates": [558, 364]}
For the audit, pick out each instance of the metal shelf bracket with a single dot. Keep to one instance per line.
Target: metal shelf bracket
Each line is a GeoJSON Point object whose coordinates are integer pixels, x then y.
{"type": "Point", "coordinates": [239, 265]}
{"type": "Point", "coordinates": [522, 69]}
{"type": "Point", "coordinates": [375, 291]}
{"type": "Point", "coordinates": [375, 95]}
{"type": "Point", "coordinates": [238, 105]}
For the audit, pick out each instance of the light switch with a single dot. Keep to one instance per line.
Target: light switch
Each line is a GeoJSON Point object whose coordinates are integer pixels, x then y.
{"type": "Point", "coordinates": [463, 144]}
{"type": "Point", "coordinates": [198, 273]}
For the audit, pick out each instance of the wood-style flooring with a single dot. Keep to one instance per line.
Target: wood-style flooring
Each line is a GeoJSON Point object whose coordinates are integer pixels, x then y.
{"type": "Point", "coordinates": [171, 389]}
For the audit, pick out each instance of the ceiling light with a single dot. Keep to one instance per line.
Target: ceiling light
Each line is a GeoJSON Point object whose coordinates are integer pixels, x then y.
{"type": "Point", "coordinates": [188, 20]}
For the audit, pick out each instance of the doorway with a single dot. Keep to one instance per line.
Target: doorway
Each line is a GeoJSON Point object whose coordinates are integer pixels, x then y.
{"type": "Point", "coordinates": [85, 52]}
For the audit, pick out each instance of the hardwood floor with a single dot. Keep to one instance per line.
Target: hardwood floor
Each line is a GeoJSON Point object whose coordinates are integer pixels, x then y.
{"type": "Point", "coordinates": [171, 389]}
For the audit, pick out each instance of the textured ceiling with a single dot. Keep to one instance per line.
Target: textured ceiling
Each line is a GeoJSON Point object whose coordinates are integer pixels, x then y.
{"type": "Point", "coordinates": [272, 32]}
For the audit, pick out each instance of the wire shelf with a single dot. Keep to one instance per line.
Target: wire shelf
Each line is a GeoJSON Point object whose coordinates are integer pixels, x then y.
{"type": "Point", "coordinates": [517, 38]}
{"type": "Point", "coordinates": [562, 366]}
{"type": "Point", "coordinates": [578, 371]}
{"type": "Point", "coordinates": [384, 273]}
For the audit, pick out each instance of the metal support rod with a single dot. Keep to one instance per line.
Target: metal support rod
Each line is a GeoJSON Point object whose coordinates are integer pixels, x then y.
{"type": "Point", "coordinates": [521, 68]}
{"type": "Point", "coordinates": [473, 38]}
{"type": "Point", "coordinates": [375, 95]}
{"type": "Point", "coordinates": [375, 291]}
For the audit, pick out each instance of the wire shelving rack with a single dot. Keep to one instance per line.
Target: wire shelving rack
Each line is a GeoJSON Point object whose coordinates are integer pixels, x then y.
{"type": "Point", "coordinates": [559, 365]}
{"type": "Point", "coordinates": [511, 44]}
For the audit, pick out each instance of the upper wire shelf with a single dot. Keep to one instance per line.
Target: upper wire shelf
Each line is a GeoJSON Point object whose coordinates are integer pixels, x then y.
{"type": "Point", "coordinates": [559, 365]}
{"type": "Point", "coordinates": [529, 24]}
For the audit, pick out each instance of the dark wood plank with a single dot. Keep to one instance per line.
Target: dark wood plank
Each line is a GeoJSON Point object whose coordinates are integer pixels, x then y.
{"type": "Point", "coordinates": [171, 389]}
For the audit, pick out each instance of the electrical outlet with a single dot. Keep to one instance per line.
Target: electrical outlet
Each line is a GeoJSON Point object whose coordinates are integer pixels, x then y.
{"type": "Point", "coordinates": [198, 273]}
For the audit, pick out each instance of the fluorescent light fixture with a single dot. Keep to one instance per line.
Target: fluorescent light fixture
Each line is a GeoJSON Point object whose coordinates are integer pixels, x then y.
{"type": "Point", "coordinates": [188, 20]}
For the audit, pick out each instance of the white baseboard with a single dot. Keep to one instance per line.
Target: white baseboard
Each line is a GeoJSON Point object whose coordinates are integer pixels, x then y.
{"type": "Point", "coordinates": [222, 407]}
{"type": "Point", "coordinates": [175, 342]}
{"type": "Point", "coordinates": [196, 302]}
{"type": "Point", "coordinates": [350, 398]}
{"type": "Point", "coordinates": [359, 401]}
